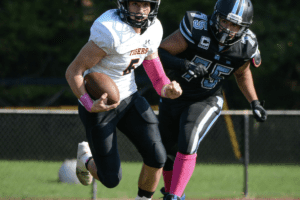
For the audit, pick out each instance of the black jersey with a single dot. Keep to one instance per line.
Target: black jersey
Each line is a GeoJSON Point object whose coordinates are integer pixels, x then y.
{"type": "Point", "coordinates": [204, 48]}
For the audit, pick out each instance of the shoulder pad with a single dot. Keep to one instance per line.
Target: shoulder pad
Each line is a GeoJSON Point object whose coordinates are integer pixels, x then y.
{"type": "Point", "coordinates": [101, 36]}
{"type": "Point", "coordinates": [250, 33]}
{"type": "Point", "coordinates": [191, 22]}
{"type": "Point", "coordinates": [249, 45]}
{"type": "Point", "coordinates": [109, 15]}
{"type": "Point", "coordinates": [249, 40]}
{"type": "Point", "coordinates": [199, 15]}
{"type": "Point", "coordinates": [105, 31]}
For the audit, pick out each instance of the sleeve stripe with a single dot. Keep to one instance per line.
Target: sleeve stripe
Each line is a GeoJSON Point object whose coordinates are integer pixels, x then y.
{"type": "Point", "coordinates": [186, 35]}
{"type": "Point", "coordinates": [186, 28]}
{"type": "Point", "coordinates": [256, 51]}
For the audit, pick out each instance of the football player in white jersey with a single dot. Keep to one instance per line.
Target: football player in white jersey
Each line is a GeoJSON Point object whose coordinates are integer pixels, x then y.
{"type": "Point", "coordinates": [121, 40]}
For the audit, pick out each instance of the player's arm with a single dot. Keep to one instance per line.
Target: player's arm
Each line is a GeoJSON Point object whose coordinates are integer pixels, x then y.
{"type": "Point", "coordinates": [169, 48]}
{"type": "Point", "coordinates": [173, 45]}
{"type": "Point", "coordinates": [88, 57]}
{"type": "Point", "coordinates": [245, 82]}
{"type": "Point", "coordinates": [161, 83]}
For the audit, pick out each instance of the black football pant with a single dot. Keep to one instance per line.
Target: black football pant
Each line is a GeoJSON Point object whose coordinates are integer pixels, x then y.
{"type": "Point", "coordinates": [133, 117]}
{"type": "Point", "coordinates": [184, 124]}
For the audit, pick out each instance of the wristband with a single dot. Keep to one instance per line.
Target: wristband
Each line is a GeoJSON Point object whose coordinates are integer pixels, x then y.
{"type": "Point", "coordinates": [86, 101]}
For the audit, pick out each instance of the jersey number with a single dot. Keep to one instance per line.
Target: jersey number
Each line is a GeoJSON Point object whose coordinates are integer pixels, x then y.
{"type": "Point", "coordinates": [131, 66]}
{"type": "Point", "coordinates": [215, 76]}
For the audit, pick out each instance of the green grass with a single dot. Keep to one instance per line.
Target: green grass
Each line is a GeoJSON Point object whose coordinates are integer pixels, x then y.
{"type": "Point", "coordinates": [40, 179]}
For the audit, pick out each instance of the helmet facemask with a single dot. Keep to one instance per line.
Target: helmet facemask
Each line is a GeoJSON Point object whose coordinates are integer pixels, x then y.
{"type": "Point", "coordinates": [224, 35]}
{"type": "Point", "coordinates": [144, 24]}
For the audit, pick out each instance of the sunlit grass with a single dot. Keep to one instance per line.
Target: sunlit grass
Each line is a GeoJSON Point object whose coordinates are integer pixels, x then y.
{"type": "Point", "coordinates": [25, 179]}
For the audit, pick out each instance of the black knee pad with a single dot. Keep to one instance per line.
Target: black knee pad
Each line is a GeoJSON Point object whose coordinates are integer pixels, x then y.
{"type": "Point", "coordinates": [111, 180]}
{"type": "Point", "coordinates": [158, 156]}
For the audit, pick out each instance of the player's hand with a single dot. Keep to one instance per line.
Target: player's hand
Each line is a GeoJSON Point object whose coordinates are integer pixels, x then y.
{"type": "Point", "coordinates": [195, 69]}
{"type": "Point", "coordinates": [171, 90]}
{"type": "Point", "coordinates": [100, 105]}
{"type": "Point", "coordinates": [259, 112]}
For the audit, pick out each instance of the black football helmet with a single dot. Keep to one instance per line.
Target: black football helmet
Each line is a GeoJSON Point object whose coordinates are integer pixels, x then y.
{"type": "Point", "coordinates": [125, 14]}
{"type": "Point", "coordinates": [239, 12]}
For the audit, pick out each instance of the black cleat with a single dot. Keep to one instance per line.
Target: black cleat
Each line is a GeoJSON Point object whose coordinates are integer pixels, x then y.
{"type": "Point", "coordinates": [162, 190]}
{"type": "Point", "coordinates": [172, 197]}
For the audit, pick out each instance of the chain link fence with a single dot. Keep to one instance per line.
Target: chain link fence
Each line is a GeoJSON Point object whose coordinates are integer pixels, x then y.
{"type": "Point", "coordinates": [53, 135]}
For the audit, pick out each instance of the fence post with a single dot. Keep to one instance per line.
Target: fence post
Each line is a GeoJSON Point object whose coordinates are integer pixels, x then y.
{"type": "Point", "coordinates": [246, 152]}
{"type": "Point", "coordinates": [94, 189]}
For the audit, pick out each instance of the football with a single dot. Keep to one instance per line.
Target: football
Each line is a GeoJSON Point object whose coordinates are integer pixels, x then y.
{"type": "Point", "coordinates": [97, 84]}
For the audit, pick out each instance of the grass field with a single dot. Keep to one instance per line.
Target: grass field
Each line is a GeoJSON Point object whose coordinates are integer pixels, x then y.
{"type": "Point", "coordinates": [33, 179]}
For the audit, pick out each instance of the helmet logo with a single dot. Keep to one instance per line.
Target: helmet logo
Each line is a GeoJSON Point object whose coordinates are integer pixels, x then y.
{"type": "Point", "coordinates": [234, 18]}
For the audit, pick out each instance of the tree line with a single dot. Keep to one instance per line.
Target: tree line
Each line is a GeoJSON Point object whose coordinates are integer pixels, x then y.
{"type": "Point", "coordinates": [39, 39]}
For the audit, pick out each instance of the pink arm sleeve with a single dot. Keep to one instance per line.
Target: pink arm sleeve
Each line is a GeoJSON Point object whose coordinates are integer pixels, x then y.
{"type": "Point", "coordinates": [156, 73]}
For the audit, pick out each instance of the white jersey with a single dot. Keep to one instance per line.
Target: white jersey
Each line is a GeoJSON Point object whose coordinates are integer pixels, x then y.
{"type": "Point", "coordinates": [125, 49]}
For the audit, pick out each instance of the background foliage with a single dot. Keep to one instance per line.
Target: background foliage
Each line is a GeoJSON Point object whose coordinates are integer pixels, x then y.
{"type": "Point", "coordinates": [39, 39]}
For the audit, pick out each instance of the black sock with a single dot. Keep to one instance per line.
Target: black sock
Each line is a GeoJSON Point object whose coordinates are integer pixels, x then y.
{"type": "Point", "coordinates": [144, 193]}
{"type": "Point", "coordinates": [87, 162]}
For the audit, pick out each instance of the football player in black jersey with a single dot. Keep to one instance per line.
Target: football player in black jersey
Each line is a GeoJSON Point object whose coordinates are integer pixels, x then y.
{"type": "Point", "coordinates": [200, 55]}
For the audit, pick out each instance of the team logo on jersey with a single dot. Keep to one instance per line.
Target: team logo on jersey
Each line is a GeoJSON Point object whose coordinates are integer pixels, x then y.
{"type": "Point", "coordinates": [204, 42]}
{"type": "Point", "coordinates": [147, 42]}
{"type": "Point", "coordinates": [139, 51]}
{"type": "Point", "coordinates": [200, 24]}
{"type": "Point", "coordinates": [217, 57]}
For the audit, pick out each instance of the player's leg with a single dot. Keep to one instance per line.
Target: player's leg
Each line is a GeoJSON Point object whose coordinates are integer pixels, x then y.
{"type": "Point", "coordinates": [83, 156]}
{"type": "Point", "coordinates": [104, 165]}
{"type": "Point", "coordinates": [195, 122]}
{"type": "Point", "coordinates": [140, 125]}
{"type": "Point", "coordinates": [149, 179]}
{"type": "Point", "coordinates": [86, 168]}
{"type": "Point", "coordinates": [169, 118]}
